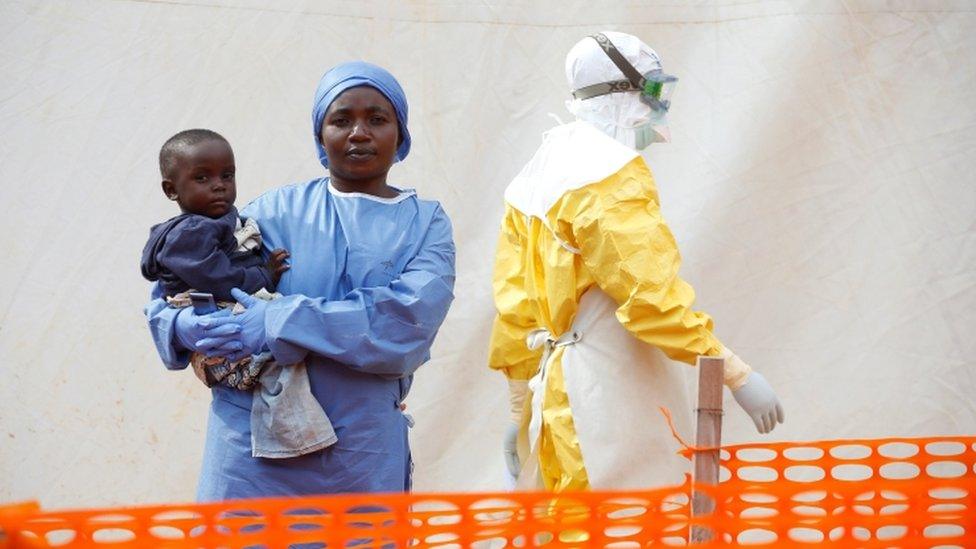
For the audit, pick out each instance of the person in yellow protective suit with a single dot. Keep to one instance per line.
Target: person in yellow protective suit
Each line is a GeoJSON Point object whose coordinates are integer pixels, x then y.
{"type": "Point", "coordinates": [591, 309]}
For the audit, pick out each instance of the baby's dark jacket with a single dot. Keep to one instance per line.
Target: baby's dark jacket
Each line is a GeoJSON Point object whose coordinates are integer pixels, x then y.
{"type": "Point", "coordinates": [195, 251]}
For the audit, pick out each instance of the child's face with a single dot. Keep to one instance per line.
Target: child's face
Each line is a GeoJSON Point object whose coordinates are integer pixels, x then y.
{"type": "Point", "coordinates": [203, 181]}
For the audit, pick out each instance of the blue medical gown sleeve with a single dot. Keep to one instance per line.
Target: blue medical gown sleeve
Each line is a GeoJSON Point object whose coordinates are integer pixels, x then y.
{"type": "Point", "coordinates": [162, 319]}
{"type": "Point", "coordinates": [385, 330]}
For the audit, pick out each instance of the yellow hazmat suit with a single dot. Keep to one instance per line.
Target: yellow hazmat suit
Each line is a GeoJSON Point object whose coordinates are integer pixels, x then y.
{"type": "Point", "coordinates": [587, 273]}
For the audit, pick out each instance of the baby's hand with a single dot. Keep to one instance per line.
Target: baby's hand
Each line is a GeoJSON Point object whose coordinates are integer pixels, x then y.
{"type": "Point", "coordinates": [277, 265]}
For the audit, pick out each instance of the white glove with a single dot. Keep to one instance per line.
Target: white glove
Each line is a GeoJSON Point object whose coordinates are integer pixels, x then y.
{"type": "Point", "coordinates": [517, 391]}
{"type": "Point", "coordinates": [510, 450]}
{"type": "Point", "coordinates": [757, 398]}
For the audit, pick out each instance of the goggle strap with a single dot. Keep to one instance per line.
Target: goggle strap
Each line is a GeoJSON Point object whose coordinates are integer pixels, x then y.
{"type": "Point", "coordinates": [635, 78]}
{"type": "Point", "coordinates": [603, 88]}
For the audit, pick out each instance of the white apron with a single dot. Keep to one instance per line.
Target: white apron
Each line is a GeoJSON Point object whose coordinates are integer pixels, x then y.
{"type": "Point", "coordinates": [616, 385]}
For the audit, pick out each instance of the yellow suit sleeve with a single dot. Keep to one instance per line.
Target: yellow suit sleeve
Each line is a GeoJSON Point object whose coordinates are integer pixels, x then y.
{"type": "Point", "coordinates": [515, 319]}
{"type": "Point", "coordinates": [632, 255]}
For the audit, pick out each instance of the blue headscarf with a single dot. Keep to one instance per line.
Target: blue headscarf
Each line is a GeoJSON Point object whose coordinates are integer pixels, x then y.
{"type": "Point", "coordinates": [350, 75]}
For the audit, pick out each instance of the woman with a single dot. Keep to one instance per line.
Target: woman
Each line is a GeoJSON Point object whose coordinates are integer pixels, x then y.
{"type": "Point", "coordinates": [371, 280]}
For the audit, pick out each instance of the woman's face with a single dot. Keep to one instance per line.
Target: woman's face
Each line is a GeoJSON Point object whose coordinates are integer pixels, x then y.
{"type": "Point", "coordinates": [360, 136]}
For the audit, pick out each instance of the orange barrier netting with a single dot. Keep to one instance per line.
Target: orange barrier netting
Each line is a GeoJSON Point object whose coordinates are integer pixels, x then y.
{"type": "Point", "coordinates": [901, 492]}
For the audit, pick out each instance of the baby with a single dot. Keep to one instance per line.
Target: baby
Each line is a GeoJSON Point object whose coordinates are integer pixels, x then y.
{"type": "Point", "coordinates": [210, 248]}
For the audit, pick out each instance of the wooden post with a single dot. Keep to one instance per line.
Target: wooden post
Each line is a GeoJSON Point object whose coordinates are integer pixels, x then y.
{"type": "Point", "coordinates": [708, 435]}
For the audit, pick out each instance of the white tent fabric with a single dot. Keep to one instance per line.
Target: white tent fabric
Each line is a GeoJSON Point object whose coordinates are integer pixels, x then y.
{"type": "Point", "coordinates": [820, 185]}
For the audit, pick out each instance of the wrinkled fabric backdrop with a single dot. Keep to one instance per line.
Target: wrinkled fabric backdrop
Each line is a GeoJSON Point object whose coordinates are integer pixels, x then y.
{"type": "Point", "coordinates": [820, 184]}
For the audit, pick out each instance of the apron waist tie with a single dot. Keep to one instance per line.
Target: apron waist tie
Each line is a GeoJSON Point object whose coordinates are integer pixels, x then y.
{"type": "Point", "coordinates": [540, 338]}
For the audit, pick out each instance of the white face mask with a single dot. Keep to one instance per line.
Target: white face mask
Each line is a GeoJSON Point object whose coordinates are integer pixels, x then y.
{"type": "Point", "coordinates": [643, 136]}
{"type": "Point", "coordinates": [623, 117]}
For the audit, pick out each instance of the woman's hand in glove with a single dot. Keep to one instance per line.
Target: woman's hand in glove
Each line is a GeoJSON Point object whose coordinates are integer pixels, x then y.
{"type": "Point", "coordinates": [250, 323]}
{"type": "Point", "coordinates": [206, 333]}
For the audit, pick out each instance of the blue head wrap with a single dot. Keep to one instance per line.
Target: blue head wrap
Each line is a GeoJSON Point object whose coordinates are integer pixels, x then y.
{"type": "Point", "coordinates": [350, 75]}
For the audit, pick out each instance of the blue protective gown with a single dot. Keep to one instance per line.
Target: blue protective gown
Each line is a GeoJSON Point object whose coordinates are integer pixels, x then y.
{"type": "Point", "coordinates": [371, 280]}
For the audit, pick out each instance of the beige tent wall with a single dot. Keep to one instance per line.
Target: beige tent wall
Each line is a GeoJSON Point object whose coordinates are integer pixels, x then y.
{"type": "Point", "coordinates": [820, 184]}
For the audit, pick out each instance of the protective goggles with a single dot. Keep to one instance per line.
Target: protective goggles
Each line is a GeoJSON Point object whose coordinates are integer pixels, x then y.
{"type": "Point", "coordinates": [655, 87]}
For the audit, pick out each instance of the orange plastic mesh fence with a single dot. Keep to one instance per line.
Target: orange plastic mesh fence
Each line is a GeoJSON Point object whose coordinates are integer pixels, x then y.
{"type": "Point", "coordinates": [904, 492]}
{"type": "Point", "coordinates": [846, 493]}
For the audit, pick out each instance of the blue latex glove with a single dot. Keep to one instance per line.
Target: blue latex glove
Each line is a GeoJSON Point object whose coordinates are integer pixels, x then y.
{"type": "Point", "coordinates": [201, 333]}
{"type": "Point", "coordinates": [249, 326]}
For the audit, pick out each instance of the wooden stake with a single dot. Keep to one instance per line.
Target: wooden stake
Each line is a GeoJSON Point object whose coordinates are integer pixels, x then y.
{"type": "Point", "coordinates": [708, 435]}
